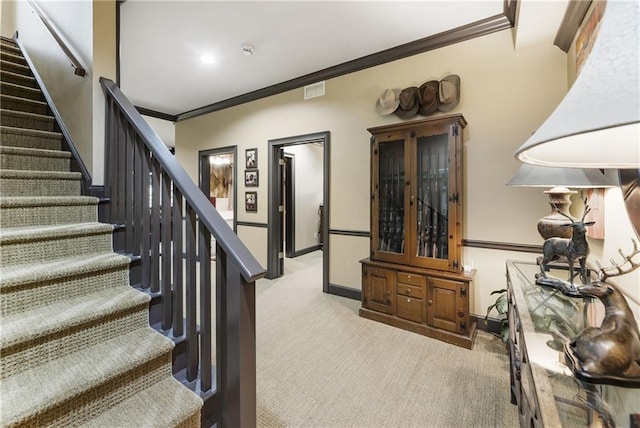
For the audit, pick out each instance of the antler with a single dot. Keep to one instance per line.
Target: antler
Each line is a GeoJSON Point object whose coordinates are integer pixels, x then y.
{"type": "Point", "coordinates": [617, 269]}
{"type": "Point", "coordinates": [587, 209]}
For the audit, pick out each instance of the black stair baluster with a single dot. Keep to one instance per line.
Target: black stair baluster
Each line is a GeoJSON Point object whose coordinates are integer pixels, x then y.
{"type": "Point", "coordinates": [191, 296]}
{"type": "Point", "coordinates": [146, 220]}
{"type": "Point", "coordinates": [204, 250]}
{"type": "Point", "coordinates": [155, 225]}
{"type": "Point", "coordinates": [167, 301]}
{"type": "Point", "coordinates": [129, 194]}
{"type": "Point", "coordinates": [178, 279]}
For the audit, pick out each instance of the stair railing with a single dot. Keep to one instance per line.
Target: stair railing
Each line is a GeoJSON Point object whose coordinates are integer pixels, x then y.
{"type": "Point", "coordinates": [168, 223]}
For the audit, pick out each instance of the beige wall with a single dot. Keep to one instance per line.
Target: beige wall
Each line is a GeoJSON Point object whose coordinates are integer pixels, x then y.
{"type": "Point", "coordinates": [505, 95]}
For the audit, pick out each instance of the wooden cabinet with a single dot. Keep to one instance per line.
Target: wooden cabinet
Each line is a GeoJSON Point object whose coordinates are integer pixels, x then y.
{"type": "Point", "coordinates": [416, 218]}
{"type": "Point", "coordinates": [432, 303]}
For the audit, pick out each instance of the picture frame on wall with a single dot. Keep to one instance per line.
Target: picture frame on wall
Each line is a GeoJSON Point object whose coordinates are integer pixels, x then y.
{"type": "Point", "coordinates": [251, 201]}
{"type": "Point", "coordinates": [251, 157]}
{"type": "Point", "coordinates": [251, 178]}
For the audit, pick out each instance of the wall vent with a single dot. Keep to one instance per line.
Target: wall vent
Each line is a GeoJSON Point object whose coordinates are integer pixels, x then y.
{"type": "Point", "coordinates": [315, 90]}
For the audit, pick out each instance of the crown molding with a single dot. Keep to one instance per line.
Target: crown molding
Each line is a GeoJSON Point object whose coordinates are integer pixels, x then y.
{"type": "Point", "coordinates": [573, 16]}
{"type": "Point", "coordinates": [479, 28]}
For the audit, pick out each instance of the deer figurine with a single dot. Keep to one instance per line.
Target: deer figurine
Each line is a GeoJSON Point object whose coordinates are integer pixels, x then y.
{"type": "Point", "coordinates": [614, 347]}
{"type": "Point", "coordinates": [575, 248]}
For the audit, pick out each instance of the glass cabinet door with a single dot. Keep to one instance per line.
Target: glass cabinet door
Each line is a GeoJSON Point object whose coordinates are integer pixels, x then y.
{"type": "Point", "coordinates": [389, 185]}
{"type": "Point", "coordinates": [432, 190]}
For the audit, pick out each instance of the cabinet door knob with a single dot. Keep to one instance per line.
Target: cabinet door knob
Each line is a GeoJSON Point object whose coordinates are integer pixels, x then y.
{"type": "Point", "coordinates": [461, 314]}
{"type": "Point", "coordinates": [408, 300]}
{"type": "Point", "coordinates": [408, 291]}
{"type": "Point", "coordinates": [430, 301]}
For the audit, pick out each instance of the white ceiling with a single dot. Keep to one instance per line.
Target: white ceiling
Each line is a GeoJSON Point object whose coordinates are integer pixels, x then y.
{"type": "Point", "coordinates": [162, 41]}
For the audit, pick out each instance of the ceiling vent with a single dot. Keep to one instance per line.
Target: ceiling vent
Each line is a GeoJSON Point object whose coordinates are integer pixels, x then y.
{"type": "Point", "coordinates": [315, 90]}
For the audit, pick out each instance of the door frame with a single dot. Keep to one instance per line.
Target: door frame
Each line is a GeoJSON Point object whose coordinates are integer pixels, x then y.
{"type": "Point", "coordinates": [290, 204]}
{"type": "Point", "coordinates": [204, 175]}
{"type": "Point", "coordinates": [274, 230]}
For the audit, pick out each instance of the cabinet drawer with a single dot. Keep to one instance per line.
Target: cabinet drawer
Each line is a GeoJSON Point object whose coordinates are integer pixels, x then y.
{"type": "Point", "coordinates": [410, 278]}
{"type": "Point", "coordinates": [410, 290]}
{"type": "Point", "coordinates": [409, 308]}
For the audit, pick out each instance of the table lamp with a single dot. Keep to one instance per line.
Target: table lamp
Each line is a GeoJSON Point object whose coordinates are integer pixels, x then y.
{"type": "Point", "coordinates": [560, 180]}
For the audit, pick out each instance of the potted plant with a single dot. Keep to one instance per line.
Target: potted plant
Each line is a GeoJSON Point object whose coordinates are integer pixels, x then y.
{"type": "Point", "coordinates": [501, 307]}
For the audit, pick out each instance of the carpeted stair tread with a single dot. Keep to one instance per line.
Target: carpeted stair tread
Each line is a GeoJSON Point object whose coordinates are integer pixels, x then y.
{"type": "Point", "coordinates": [69, 313]}
{"type": "Point", "coordinates": [17, 78]}
{"type": "Point", "coordinates": [15, 68]}
{"type": "Point", "coordinates": [37, 284]}
{"type": "Point", "coordinates": [83, 371]}
{"type": "Point", "coordinates": [20, 91]}
{"type": "Point", "coordinates": [34, 138]}
{"type": "Point", "coordinates": [21, 211]}
{"type": "Point", "coordinates": [25, 151]}
{"type": "Point", "coordinates": [34, 159]}
{"type": "Point", "coordinates": [25, 245]}
{"type": "Point", "coordinates": [23, 104]}
{"type": "Point", "coordinates": [21, 119]}
{"type": "Point", "coordinates": [165, 404]}
{"type": "Point", "coordinates": [39, 183]}
{"type": "Point", "coordinates": [43, 233]}
{"type": "Point", "coordinates": [39, 201]}
{"type": "Point", "coordinates": [12, 56]}
{"type": "Point", "coordinates": [17, 276]}
{"type": "Point", "coordinates": [42, 175]}
{"type": "Point", "coordinates": [7, 46]}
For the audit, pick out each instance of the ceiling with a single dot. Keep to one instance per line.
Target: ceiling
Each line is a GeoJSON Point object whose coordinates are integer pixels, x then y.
{"type": "Point", "coordinates": [162, 43]}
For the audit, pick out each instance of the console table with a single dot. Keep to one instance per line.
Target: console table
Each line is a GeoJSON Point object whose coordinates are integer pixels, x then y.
{"type": "Point", "coordinates": [540, 321]}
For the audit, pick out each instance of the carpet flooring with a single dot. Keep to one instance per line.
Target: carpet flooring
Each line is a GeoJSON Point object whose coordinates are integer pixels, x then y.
{"type": "Point", "coordinates": [320, 365]}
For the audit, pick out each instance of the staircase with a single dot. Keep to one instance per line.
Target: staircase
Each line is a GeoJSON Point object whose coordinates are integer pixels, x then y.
{"type": "Point", "coordinates": [75, 343]}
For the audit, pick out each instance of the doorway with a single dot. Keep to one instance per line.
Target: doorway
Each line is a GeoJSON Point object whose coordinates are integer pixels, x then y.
{"type": "Point", "coordinates": [218, 175]}
{"type": "Point", "coordinates": [279, 163]}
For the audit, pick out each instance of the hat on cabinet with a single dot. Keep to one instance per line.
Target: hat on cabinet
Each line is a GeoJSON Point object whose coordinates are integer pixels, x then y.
{"type": "Point", "coordinates": [409, 103]}
{"type": "Point", "coordinates": [388, 102]}
{"type": "Point", "coordinates": [428, 97]}
{"type": "Point", "coordinates": [449, 92]}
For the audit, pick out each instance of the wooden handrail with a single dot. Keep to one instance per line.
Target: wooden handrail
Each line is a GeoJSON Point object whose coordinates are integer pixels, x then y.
{"type": "Point", "coordinates": [78, 68]}
{"type": "Point", "coordinates": [248, 266]}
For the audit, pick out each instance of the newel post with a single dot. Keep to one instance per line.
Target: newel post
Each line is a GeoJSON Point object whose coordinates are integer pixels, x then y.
{"type": "Point", "coordinates": [235, 345]}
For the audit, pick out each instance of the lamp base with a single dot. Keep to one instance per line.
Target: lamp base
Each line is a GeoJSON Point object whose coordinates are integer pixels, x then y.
{"type": "Point", "coordinates": [554, 224]}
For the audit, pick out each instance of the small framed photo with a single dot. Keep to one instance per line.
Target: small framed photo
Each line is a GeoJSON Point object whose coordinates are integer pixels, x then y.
{"type": "Point", "coordinates": [251, 178]}
{"type": "Point", "coordinates": [251, 201]}
{"type": "Point", "coordinates": [251, 156]}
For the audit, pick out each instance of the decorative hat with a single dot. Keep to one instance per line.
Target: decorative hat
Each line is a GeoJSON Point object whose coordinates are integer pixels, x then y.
{"type": "Point", "coordinates": [449, 92]}
{"type": "Point", "coordinates": [428, 97]}
{"type": "Point", "coordinates": [388, 101]}
{"type": "Point", "coordinates": [409, 103]}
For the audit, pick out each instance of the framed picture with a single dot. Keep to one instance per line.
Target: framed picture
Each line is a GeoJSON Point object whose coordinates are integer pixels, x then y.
{"type": "Point", "coordinates": [251, 178]}
{"type": "Point", "coordinates": [251, 201]}
{"type": "Point", "coordinates": [251, 156]}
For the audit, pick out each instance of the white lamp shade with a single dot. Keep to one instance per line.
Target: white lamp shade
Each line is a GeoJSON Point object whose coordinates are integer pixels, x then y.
{"type": "Point", "coordinates": [597, 124]}
{"type": "Point", "coordinates": [544, 176]}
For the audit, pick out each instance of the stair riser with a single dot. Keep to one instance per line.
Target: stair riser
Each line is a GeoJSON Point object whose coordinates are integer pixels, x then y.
{"type": "Point", "coordinates": [26, 356]}
{"type": "Point", "coordinates": [46, 250]}
{"type": "Point", "coordinates": [18, 79]}
{"type": "Point", "coordinates": [15, 68]}
{"type": "Point", "coordinates": [12, 139]}
{"type": "Point", "coordinates": [97, 400]}
{"type": "Point", "coordinates": [34, 163]}
{"type": "Point", "coordinates": [12, 57]}
{"type": "Point", "coordinates": [35, 187]}
{"type": "Point", "coordinates": [22, 92]}
{"type": "Point", "coordinates": [47, 215]}
{"type": "Point", "coordinates": [26, 105]}
{"type": "Point", "coordinates": [42, 123]}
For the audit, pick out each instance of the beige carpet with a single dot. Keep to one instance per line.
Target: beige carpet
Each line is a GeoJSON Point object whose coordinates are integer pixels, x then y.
{"type": "Point", "coordinates": [320, 365]}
